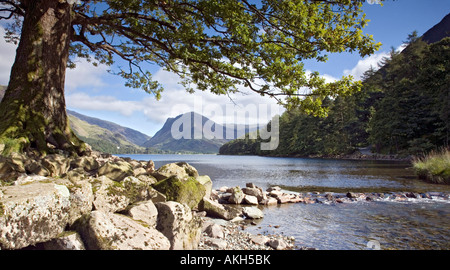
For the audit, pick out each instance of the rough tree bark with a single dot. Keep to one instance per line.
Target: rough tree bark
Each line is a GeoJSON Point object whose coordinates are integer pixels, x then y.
{"type": "Point", "coordinates": [32, 113]}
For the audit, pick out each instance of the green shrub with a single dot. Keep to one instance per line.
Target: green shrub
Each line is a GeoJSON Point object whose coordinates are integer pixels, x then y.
{"type": "Point", "coordinates": [434, 167]}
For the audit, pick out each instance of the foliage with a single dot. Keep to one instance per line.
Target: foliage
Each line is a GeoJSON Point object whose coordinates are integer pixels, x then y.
{"type": "Point", "coordinates": [403, 108]}
{"type": "Point", "coordinates": [434, 167]}
{"type": "Point", "coordinates": [413, 114]}
{"type": "Point", "coordinates": [219, 46]}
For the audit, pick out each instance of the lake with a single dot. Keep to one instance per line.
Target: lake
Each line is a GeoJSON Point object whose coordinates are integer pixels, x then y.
{"type": "Point", "coordinates": [414, 224]}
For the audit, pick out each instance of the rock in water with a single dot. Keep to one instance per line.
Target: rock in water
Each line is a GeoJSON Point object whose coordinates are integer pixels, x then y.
{"type": "Point", "coordinates": [237, 196]}
{"type": "Point", "coordinates": [176, 222]}
{"type": "Point", "coordinates": [252, 212]}
{"type": "Point", "coordinates": [251, 200]}
{"type": "Point", "coordinates": [32, 213]}
{"type": "Point", "coordinates": [214, 209]}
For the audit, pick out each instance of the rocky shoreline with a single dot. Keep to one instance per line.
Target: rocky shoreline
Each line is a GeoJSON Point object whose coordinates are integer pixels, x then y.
{"type": "Point", "coordinates": [101, 202]}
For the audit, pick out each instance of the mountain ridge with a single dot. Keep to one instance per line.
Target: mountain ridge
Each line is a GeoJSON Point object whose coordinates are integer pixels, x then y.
{"type": "Point", "coordinates": [438, 31]}
{"type": "Point", "coordinates": [134, 136]}
{"type": "Point", "coordinates": [102, 139]}
{"type": "Point", "coordinates": [164, 140]}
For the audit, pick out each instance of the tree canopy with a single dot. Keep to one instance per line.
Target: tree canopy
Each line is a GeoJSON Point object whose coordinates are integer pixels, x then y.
{"type": "Point", "coordinates": [218, 45]}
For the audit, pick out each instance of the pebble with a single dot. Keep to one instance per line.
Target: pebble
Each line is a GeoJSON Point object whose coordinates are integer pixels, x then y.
{"type": "Point", "coordinates": [237, 239]}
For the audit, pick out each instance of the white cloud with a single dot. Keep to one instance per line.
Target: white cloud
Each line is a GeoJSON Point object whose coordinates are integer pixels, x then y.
{"type": "Point", "coordinates": [7, 56]}
{"type": "Point", "coordinates": [220, 108]}
{"type": "Point", "coordinates": [370, 61]}
{"type": "Point", "coordinates": [102, 103]}
{"type": "Point", "coordinates": [85, 75]}
{"type": "Point", "coordinates": [175, 101]}
{"type": "Point", "coordinates": [365, 64]}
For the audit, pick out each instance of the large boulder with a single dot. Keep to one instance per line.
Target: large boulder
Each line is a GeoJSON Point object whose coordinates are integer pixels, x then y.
{"type": "Point", "coordinates": [136, 189]}
{"type": "Point", "coordinates": [112, 196]}
{"type": "Point", "coordinates": [207, 183]}
{"type": "Point", "coordinates": [188, 191]}
{"type": "Point", "coordinates": [180, 169]}
{"type": "Point", "coordinates": [11, 167]}
{"type": "Point", "coordinates": [145, 212]}
{"type": "Point", "coordinates": [32, 213]}
{"type": "Point", "coordinates": [108, 231]}
{"type": "Point", "coordinates": [179, 225]}
{"type": "Point", "coordinates": [87, 163]}
{"type": "Point", "coordinates": [256, 192]}
{"type": "Point", "coordinates": [56, 165]}
{"type": "Point", "coordinates": [66, 241]}
{"type": "Point", "coordinates": [116, 171]}
{"type": "Point", "coordinates": [109, 195]}
{"type": "Point", "coordinates": [81, 198]}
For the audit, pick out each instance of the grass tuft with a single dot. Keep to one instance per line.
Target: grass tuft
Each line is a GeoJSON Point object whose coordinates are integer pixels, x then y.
{"type": "Point", "coordinates": [434, 167]}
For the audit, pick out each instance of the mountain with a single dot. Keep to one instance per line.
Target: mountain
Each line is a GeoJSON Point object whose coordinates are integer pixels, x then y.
{"type": "Point", "coordinates": [102, 139]}
{"type": "Point", "coordinates": [164, 140]}
{"type": "Point", "coordinates": [439, 31]}
{"type": "Point", "coordinates": [131, 135]}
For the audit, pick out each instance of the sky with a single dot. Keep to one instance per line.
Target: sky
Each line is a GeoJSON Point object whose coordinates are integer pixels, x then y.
{"type": "Point", "coordinates": [94, 92]}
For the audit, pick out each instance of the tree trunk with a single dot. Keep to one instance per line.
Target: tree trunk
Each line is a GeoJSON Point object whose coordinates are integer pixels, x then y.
{"type": "Point", "coordinates": [33, 112]}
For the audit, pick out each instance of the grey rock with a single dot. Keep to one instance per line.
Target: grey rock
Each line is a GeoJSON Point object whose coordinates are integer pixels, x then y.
{"type": "Point", "coordinates": [182, 170]}
{"type": "Point", "coordinates": [207, 183]}
{"type": "Point", "coordinates": [145, 212]}
{"type": "Point", "coordinates": [248, 199]}
{"type": "Point", "coordinates": [237, 196]}
{"type": "Point", "coordinates": [278, 244]}
{"type": "Point", "coordinates": [116, 171]}
{"type": "Point", "coordinates": [109, 231]}
{"type": "Point", "coordinates": [66, 241]}
{"type": "Point", "coordinates": [176, 222]}
{"type": "Point", "coordinates": [252, 212]}
{"type": "Point", "coordinates": [109, 196]}
{"type": "Point", "coordinates": [32, 213]}
{"type": "Point", "coordinates": [215, 231]}
{"type": "Point", "coordinates": [214, 209]}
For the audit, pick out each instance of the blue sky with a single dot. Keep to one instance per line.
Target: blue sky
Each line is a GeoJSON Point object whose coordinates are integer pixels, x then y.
{"type": "Point", "coordinates": [94, 92]}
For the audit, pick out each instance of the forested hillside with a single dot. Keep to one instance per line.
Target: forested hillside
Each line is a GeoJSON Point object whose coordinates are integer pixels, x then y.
{"type": "Point", "coordinates": [403, 108]}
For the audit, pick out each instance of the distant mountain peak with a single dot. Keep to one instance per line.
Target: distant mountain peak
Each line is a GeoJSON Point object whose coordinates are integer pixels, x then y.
{"type": "Point", "coordinates": [195, 122]}
{"type": "Point", "coordinates": [439, 31]}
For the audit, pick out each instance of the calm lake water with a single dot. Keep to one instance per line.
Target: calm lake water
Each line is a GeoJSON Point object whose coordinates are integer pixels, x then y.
{"type": "Point", "coordinates": [419, 224]}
